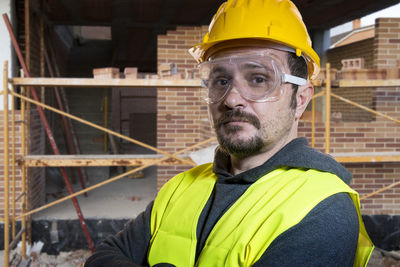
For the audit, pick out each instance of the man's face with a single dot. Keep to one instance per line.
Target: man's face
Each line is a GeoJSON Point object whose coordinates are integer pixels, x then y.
{"type": "Point", "coordinates": [244, 127]}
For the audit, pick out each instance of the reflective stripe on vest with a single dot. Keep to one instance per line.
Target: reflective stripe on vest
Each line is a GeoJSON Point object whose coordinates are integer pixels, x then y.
{"type": "Point", "coordinates": [269, 207]}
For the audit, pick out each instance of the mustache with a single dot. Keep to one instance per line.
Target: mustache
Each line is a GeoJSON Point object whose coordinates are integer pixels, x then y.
{"type": "Point", "coordinates": [237, 115]}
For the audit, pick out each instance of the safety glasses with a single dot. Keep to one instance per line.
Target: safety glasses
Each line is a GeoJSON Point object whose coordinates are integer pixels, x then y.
{"type": "Point", "coordinates": [256, 77]}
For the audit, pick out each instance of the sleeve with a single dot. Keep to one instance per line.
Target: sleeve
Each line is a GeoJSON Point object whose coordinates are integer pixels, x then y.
{"type": "Point", "coordinates": [128, 248]}
{"type": "Point", "coordinates": [327, 236]}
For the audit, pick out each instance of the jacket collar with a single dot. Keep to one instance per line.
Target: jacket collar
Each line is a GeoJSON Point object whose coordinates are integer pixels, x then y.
{"type": "Point", "coordinates": [296, 154]}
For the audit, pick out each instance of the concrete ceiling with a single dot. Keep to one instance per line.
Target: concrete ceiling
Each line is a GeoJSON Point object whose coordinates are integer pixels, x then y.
{"type": "Point", "coordinates": [135, 24]}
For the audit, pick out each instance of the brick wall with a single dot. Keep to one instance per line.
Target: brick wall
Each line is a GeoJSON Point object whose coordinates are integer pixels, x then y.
{"type": "Point", "coordinates": [387, 43]}
{"type": "Point", "coordinates": [369, 177]}
{"type": "Point", "coordinates": [356, 138]}
{"type": "Point", "coordinates": [386, 55]}
{"type": "Point", "coordinates": [182, 116]}
{"type": "Point", "coordinates": [368, 135]}
{"type": "Point", "coordinates": [382, 52]}
{"type": "Point", "coordinates": [17, 170]}
{"type": "Point", "coordinates": [362, 49]}
{"type": "Point", "coordinates": [350, 113]}
{"type": "Point", "coordinates": [35, 179]}
{"type": "Point", "coordinates": [365, 96]}
{"type": "Point", "coordinates": [367, 138]}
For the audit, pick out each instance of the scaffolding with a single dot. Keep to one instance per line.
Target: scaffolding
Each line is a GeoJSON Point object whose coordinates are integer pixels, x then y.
{"type": "Point", "coordinates": [139, 162]}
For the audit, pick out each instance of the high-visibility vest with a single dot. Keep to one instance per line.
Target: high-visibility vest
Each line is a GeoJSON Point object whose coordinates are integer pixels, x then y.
{"type": "Point", "coordinates": [270, 206]}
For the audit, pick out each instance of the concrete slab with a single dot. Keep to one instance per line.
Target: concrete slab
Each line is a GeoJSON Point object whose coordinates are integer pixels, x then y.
{"type": "Point", "coordinates": [124, 198]}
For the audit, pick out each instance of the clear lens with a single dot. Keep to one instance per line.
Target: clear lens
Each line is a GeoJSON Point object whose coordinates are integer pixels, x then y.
{"type": "Point", "coordinates": [255, 78]}
{"type": "Point", "coordinates": [259, 79]}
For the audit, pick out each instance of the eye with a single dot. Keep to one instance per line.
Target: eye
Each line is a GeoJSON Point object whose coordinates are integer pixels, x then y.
{"type": "Point", "coordinates": [259, 80]}
{"type": "Point", "coordinates": [220, 82]}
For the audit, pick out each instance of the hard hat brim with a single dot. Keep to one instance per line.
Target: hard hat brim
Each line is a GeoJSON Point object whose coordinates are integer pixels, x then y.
{"type": "Point", "coordinates": [202, 51]}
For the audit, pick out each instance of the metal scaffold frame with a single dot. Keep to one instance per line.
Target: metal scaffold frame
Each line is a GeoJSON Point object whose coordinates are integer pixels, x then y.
{"type": "Point", "coordinates": [328, 94]}
{"type": "Point", "coordinates": [163, 158]}
{"type": "Point", "coordinates": [75, 160]}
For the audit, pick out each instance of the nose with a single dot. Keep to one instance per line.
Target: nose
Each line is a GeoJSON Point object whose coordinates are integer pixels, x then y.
{"type": "Point", "coordinates": [233, 99]}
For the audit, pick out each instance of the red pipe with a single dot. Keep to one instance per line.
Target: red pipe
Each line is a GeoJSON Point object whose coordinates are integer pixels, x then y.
{"type": "Point", "coordinates": [49, 133]}
{"type": "Point", "coordinates": [65, 123]}
{"type": "Point", "coordinates": [70, 122]}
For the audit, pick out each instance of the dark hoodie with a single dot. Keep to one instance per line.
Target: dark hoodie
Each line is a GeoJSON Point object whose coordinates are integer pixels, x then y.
{"type": "Point", "coordinates": [327, 236]}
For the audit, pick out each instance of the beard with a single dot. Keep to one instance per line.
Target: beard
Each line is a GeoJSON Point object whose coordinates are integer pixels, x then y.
{"type": "Point", "coordinates": [269, 132]}
{"type": "Point", "coordinates": [239, 148]}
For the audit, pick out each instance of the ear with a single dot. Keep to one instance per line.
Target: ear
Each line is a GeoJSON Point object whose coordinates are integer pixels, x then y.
{"type": "Point", "coordinates": [303, 97]}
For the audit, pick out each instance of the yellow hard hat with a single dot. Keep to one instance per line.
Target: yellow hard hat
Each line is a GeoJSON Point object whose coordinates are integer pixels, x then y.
{"type": "Point", "coordinates": [278, 21]}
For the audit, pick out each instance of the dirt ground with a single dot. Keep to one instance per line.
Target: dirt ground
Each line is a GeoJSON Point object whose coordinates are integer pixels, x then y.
{"type": "Point", "coordinates": [78, 258]}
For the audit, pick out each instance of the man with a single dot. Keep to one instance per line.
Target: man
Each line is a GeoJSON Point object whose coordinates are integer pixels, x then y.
{"type": "Point", "coordinates": [268, 199]}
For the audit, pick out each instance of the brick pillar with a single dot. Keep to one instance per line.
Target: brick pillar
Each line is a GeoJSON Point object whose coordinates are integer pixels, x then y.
{"type": "Point", "coordinates": [387, 43]}
{"type": "Point", "coordinates": [181, 114]}
{"type": "Point", "coordinates": [387, 47]}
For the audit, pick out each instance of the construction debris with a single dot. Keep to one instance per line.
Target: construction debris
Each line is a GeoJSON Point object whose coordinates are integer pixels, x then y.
{"type": "Point", "coordinates": [37, 259]}
{"type": "Point", "coordinates": [64, 259]}
{"type": "Point", "coordinates": [379, 259]}
{"type": "Point", "coordinates": [78, 258]}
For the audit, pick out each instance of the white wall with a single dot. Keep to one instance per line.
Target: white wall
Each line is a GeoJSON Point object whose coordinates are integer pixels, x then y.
{"type": "Point", "coordinates": [6, 52]}
{"type": "Point", "coordinates": [390, 12]}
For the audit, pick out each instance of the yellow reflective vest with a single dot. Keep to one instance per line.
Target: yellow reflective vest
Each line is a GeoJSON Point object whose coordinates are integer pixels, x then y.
{"type": "Point", "coordinates": [270, 206]}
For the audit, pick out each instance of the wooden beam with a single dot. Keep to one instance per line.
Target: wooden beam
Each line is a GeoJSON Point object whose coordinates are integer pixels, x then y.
{"type": "Point", "coordinates": [88, 82]}
{"type": "Point", "coordinates": [367, 158]}
{"type": "Point", "coordinates": [138, 160]}
{"type": "Point", "coordinates": [155, 83]}
{"type": "Point", "coordinates": [369, 83]}
{"type": "Point", "coordinates": [95, 160]}
{"type": "Point", "coordinates": [359, 83]}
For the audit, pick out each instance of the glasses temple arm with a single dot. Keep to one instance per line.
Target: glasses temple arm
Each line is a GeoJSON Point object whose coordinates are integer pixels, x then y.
{"type": "Point", "coordinates": [287, 78]}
